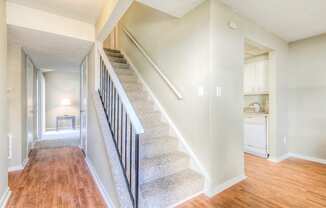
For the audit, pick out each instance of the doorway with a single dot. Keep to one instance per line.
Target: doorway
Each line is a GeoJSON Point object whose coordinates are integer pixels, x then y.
{"type": "Point", "coordinates": [256, 106]}
{"type": "Point", "coordinates": [59, 112]}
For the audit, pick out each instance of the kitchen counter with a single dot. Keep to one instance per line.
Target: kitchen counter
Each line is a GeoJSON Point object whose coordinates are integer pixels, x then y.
{"type": "Point", "coordinates": [261, 114]}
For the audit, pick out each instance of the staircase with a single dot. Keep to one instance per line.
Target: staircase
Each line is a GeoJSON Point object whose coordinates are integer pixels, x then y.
{"type": "Point", "coordinates": [165, 177]}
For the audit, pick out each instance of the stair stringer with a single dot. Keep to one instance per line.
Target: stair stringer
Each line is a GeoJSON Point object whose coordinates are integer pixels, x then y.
{"type": "Point", "coordinates": [113, 158]}
{"type": "Point", "coordinates": [183, 145]}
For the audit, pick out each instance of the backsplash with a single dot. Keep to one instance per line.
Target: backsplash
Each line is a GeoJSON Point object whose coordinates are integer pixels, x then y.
{"type": "Point", "coordinates": [263, 101]}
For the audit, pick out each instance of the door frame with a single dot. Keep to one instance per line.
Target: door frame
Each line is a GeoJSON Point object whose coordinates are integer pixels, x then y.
{"type": "Point", "coordinates": [83, 105]}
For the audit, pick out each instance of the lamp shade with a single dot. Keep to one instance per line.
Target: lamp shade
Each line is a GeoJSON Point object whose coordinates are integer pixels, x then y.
{"type": "Point", "coordinates": [66, 102]}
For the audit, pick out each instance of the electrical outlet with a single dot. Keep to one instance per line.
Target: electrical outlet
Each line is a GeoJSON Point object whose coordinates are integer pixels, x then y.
{"type": "Point", "coordinates": [218, 91]}
{"type": "Point", "coordinates": [284, 140]}
{"type": "Point", "coordinates": [9, 146]}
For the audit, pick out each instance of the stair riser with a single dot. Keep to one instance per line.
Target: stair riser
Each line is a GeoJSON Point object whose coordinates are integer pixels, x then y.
{"type": "Point", "coordinates": [128, 79]}
{"type": "Point", "coordinates": [131, 86]}
{"type": "Point", "coordinates": [124, 72]}
{"type": "Point", "coordinates": [156, 132]}
{"type": "Point", "coordinates": [118, 60]}
{"type": "Point", "coordinates": [138, 95]}
{"type": "Point", "coordinates": [155, 172]}
{"type": "Point", "coordinates": [158, 148]}
{"type": "Point", "coordinates": [169, 198]}
{"type": "Point", "coordinates": [120, 65]}
{"type": "Point", "coordinates": [142, 108]}
{"type": "Point", "coordinates": [115, 55]}
{"type": "Point", "coordinates": [150, 121]}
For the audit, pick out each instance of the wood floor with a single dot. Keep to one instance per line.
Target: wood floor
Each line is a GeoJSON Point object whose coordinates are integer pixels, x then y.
{"type": "Point", "coordinates": [292, 183]}
{"type": "Point", "coordinates": [57, 178]}
{"type": "Point", "coordinates": [60, 178]}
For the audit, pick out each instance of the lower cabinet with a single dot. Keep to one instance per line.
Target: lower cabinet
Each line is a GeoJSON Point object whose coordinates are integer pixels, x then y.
{"type": "Point", "coordinates": [255, 136]}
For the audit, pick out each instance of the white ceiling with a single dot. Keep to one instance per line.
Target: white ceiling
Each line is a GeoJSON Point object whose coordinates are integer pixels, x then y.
{"type": "Point", "coordinates": [48, 50]}
{"type": "Point", "coordinates": [289, 19]}
{"type": "Point", "coordinates": [83, 10]}
{"type": "Point", "coordinates": [177, 8]}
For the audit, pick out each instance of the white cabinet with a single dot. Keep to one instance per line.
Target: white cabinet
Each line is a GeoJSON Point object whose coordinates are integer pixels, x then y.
{"type": "Point", "coordinates": [256, 76]}
{"type": "Point", "coordinates": [255, 136]}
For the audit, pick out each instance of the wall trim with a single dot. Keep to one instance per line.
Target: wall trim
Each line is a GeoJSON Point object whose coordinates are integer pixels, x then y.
{"type": "Point", "coordinates": [4, 198]}
{"type": "Point", "coordinates": [196, 163]}
{"type": "Point", "coordinates": [298, 156]}
{"type": "Point", "coordinates": [279, 159]}
{"type": "Point", "coordinates": [227, 184]}
{"type": "Point", "coordinates": [18, 167]}
{"type": "Point", "coordinates": [308, 158]}
{"type": "Point", "coordinates": [99, 184]}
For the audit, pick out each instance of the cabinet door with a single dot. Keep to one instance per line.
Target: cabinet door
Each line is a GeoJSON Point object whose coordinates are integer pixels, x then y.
{"type": "Point", "coordinates": [256, 76]}
{"type": "Point", "coordinates": [255, 133]}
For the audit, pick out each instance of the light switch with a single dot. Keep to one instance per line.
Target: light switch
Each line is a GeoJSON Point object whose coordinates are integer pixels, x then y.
{"type": "Point", "coordinates": [218, 91]}
{"type": "Point", "coordinates": [200, 91]}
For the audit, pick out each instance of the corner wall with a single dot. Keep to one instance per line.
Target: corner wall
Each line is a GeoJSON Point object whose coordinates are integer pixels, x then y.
{"type": "Point", "coordinates": [307, 97]}
{"type": "Point", "coordinates": [197, 51]}
{"type": "Point", "coordinates": [3, 104]}
{"type": "Point", "coordinates": [16, 109]}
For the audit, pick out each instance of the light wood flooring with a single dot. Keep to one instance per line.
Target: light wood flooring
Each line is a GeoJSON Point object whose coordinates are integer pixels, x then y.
{"type": "Point", "coordinates": [57, 178]}
{"type": "Point", "coordinates": [292, 183]}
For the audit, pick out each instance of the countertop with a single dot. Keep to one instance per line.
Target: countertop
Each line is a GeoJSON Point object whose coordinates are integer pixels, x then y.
{"type": "Point", "coordinates": [260, 114]}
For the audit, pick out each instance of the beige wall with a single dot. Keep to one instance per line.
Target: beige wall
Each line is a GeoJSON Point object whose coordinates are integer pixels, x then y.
{"type": "Point", "coordinates": [307, 92]}
{"type": "Point", "coordinates": [200, 50]}
{"type": "Point", "coordinates": [180, 47]}
{"type": "Point", "coordinates": [58, 86]}
{"type": "Point", "coordinates": [17, 108]}
{"type": "Point", "coordinates": [3, 103]}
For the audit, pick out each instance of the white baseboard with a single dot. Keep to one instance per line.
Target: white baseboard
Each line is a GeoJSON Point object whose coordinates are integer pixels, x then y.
{"type": "Point", "coordinates": [4, 198]}
{"type": "Point", "coordinates": [99, 184]}
{"type": "Point", "coordinates": [18, 167]}
{"type": "Point", "coordinates": [299, 156]}
{"type": "Point", "coordinates": [279, 159]}
{"type": "Point", "coordinates": [195, 161]}
{"type": "Point", "coordinates": [303, 157]}
{"type": "Point", "coordinates": [227, 184]}
{"type": "Point", "coordinates": [15, 168]}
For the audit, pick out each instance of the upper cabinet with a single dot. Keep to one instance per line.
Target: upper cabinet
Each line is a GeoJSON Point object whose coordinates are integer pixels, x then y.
{"type": "Point", "coordinates": [256, 76]}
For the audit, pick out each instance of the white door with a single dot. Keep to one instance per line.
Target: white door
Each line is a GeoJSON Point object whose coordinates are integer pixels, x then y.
{"type": "Point", "coordinates": [30, 103]}
{"type": "Point", "coordinates": [83, 105]}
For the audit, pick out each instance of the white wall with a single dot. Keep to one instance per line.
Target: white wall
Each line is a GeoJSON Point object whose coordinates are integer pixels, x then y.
{"type": "Point", "coordinates": [307, 93]}
{"type": "Point", "coordinates": [46, 22]}
{"type": "Point", "coordinates": [61, 85]}
{"type": "Point", "coordinates": [16, 108]}
{"type": "Point", "coordinates": [201, 50]}
{"type": "Point", "coordinates": [3, 104]}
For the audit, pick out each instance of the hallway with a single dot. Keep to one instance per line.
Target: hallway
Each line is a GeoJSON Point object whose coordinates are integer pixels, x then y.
{"type": "Point", "coordinates": [54, 178]}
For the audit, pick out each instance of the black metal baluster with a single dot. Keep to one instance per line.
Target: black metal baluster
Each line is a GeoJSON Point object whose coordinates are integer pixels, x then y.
{"type": "Point", "coordinates": [126, 138]}
{"type": "Point", "coordinates": [130, 156]}
{"type": "Point", "coordinates": [117, 132]}
{"type": "Point", "coordinates": [108, 104]}
{"type": "Point", "coordinates": [136, 169]}
{"type": "Point", "coordinates": [121, 128]}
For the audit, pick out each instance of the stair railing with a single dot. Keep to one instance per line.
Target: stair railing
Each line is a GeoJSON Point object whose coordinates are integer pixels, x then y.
{"type": "Point", "coordinates": [124, 124]}
{"type": "Point", "coordinates": [150, 60]}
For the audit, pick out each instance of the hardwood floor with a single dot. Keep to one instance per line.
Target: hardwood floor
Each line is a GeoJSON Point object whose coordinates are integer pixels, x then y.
{"type": "Point", "coordinates": [60, 178]}
{"type": "Point", "coordinates": [292, 183]}
{"type": "Point", "coordinates": [54, 178]}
